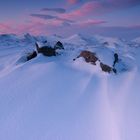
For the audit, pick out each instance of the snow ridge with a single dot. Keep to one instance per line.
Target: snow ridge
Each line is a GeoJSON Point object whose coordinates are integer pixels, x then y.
{"type": "Point", "coordinates": [56, 98]}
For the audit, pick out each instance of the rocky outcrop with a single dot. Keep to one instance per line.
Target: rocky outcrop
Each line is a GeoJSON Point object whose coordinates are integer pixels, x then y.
{"type": "Point", "coordinates": [89, 57]}
{"type": "Point", "coordinates": [31, 55]}
{"type": "Point", "coordinates": [49, 51]}
{"type": "Point", "coordinates": [107, 68]}
{"type": "Point", "coordinates": [46, 50]}
{"type": "Point", "coordinates": [58, 45]}
{"type": "Point", "coordinates": [28, 56]}
{"type": "Point", "coordinates": [116, 59]}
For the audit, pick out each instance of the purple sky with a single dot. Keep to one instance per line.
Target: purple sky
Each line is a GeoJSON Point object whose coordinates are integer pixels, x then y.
{"type": "Point", "coordinates": [65, 17]}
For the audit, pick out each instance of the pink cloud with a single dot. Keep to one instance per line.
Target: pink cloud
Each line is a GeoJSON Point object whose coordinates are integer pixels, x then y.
{"type": "Point", "coordinates": [5, 28]}
{"type": "Point", "coordinates": [91, 22]}
{"type": "Point", "coordinates": [40, 26]}
{"type": "Point", "coordinates": [73, 1]}
{"type": "Point", "coordinates": [34, 26]}
{"type": "Point", "coordinates": [89, 8]}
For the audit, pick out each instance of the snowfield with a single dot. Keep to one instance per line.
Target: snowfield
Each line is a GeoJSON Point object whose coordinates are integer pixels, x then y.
{"type": "Point", "coordinates": [56, 98]}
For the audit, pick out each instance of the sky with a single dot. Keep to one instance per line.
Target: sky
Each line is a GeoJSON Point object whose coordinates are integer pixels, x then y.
{"type": "Point", "coordinates": [119, 18]}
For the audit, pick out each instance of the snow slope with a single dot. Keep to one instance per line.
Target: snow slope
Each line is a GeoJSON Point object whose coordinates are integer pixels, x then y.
{"type": "Point", "coordinates": [137, 40]}
{"type": "Point", "coordinates": [56, 98]}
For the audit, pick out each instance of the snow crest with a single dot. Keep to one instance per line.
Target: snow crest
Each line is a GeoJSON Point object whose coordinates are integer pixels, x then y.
{"type": "Point", "coordinates": [56, 98]}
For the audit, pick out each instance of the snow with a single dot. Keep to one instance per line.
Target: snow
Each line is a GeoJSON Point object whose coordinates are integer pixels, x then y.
{"type": "Point", "coordinates": [137, 40]}
{"type": "Point", "coordinates": [56, 98]}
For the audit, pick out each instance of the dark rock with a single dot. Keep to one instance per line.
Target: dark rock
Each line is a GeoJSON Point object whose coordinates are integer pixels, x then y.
{"type": "Point", "coordinates": [58, 45]}
{"type": "Point", "coordinates": [46, 50]}
{"type": "Point", "coordinates": [105, 67]}
{"type": "Point", "coordinates": [114, 70]}
{"type": "Point", "coordinates": [115, 59]}
{"type": "Point", "coordinates": [31, 55]}
{"type": "Point", "coordinates": [88, 56]}
{"type": "Point", "coordinates": [105, 43]}
{"type": "Point", "coordinates": [45, 41]}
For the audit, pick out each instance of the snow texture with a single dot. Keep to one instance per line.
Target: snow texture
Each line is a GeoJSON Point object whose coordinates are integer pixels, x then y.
{"type": "Point", "coordinates": [56, 98]}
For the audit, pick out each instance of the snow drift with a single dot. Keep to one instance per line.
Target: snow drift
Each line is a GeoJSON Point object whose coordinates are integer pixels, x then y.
{"type": "Point", "coordinates": [56, 98]}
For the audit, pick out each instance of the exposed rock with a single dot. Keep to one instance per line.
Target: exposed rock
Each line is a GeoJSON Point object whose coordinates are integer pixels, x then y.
{"type": "Point", "coordinates": [45, 41]}
{"type": "Point", "coordinates": [58, 45]}
{"type": "Point", "coordinates": [31, 55]}
{"type": "Point", "coordinates": [115, 59]}
{"type": "Point", "coordinates": [88, 56]}
{"type": "Point", "coordinates": [46, 50]}
{"type": "Point", "coordinates": [26, 57]}
{"type": "Point", "coordinates": [107, 68]}
{"type": "Point", "coordinates": [105, 43]}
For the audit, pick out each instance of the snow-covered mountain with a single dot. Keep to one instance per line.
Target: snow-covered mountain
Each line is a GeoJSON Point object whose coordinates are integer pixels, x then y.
{"type": "Point", "coordinates": [56, 98]}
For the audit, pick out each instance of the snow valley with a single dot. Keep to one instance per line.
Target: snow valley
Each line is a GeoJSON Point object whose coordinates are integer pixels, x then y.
{"type": "Point", "coordinates": [68, 96]}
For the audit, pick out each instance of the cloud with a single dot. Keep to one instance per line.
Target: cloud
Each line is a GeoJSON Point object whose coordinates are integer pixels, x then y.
{"type": "Point", "coordinates": [86, 10]}
{"type": "Point", "coordinates": [78, 19]}
{"type": "Point", "coordinates": [57, 10]}
{"type": "Point", "coordinates": [3, 26]}
{"type": "Point", "coordinates": [65, 24]}
{"type": "Point", "coordinates": [44, 16]}
{"type": "Point", "coordinates": [92, 22]}
{"type": "Point", "coordinates": [6, 27]}
{"type": "Point", "coordinates": [98, 7]}
{"type": "Point", "coordinates": [123, 3]}
{"type": "Point", "coordinates": [114, 3]}
{"type": "Point", "coordinates": [73, 1]}
{"type": "Point", "coordinates": [36, 27]}
{"type": "Point", "coordinates": [85, 24]}
{"type": "Point", "coordinates": [50, 17]}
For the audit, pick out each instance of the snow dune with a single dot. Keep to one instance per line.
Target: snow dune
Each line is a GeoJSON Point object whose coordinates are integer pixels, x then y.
{"type": "Point", "coordinates": [58, 99]}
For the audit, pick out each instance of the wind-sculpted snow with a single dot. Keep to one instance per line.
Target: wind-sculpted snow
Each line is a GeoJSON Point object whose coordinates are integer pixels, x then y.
{"type": "Point", "coordinates": [56, 98]}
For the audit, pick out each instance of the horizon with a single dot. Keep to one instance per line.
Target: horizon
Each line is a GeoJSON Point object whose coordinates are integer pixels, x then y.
{"type": "Point", "coordinates": [67, 17]}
